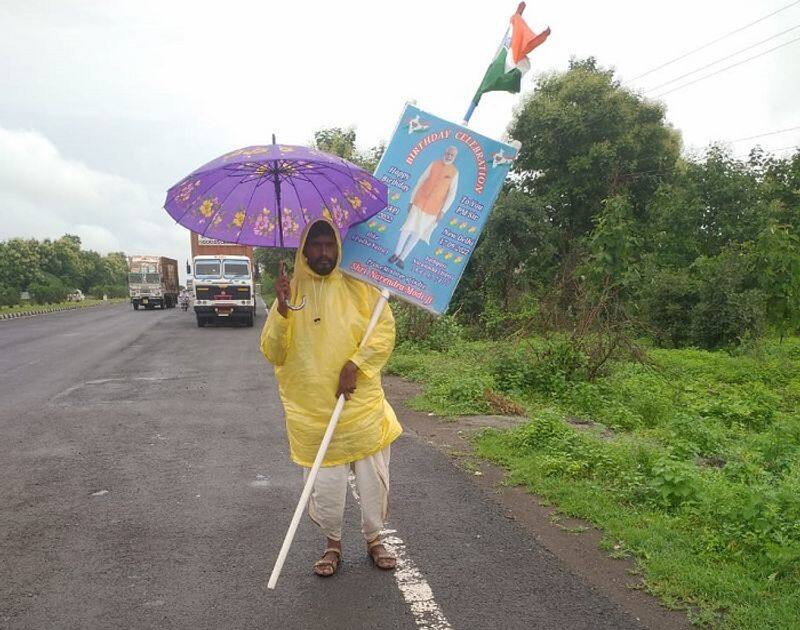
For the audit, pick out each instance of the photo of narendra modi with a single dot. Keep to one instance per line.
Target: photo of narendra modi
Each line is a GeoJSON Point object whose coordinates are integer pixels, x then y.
{"type": "Point", "coordinates": [431, 198]}
{"type": "Point", "coordinates": [442, 180]}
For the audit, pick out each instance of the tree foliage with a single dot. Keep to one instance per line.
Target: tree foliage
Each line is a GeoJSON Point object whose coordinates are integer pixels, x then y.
{"type": "Point", "coordinates": [695, 251]}
{"type": "Point", "coordinates": [49, 269]}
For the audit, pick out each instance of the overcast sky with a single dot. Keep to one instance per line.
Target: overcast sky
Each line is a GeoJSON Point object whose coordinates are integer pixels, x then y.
{"type": "Point", "coordinates": [105, 104]}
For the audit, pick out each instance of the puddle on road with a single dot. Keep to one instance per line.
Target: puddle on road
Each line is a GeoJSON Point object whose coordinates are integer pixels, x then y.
{"type": "Point", "coordinates": [260, 482]}
{"type": "Point", "coordinates": [122, 388]}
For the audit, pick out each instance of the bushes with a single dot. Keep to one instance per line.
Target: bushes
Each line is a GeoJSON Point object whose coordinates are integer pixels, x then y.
{"type": "Point", "coordinates": [714, 304]}
{"type": "Point", "coordinates": [667, 302]}
{"type": "Point", "coordinates": [499, 322]}
{"type": "Point", "coordinates": [415, 326]}
{"type": "Point", "coordinates": [9, 296]}
{"type": "Point", "coordinates": [48, 290]}
{"type": "Point", "coordinates": [527, 370]}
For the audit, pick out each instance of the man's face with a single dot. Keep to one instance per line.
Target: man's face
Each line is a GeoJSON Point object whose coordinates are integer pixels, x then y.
{"type": "Point", "coordinates": [321, 252]}
{"type": "Point", "coordinates": [450, 155]}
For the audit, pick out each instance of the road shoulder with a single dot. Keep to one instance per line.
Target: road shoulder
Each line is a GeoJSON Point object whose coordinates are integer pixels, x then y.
{"type": "Point", "coordinates": [575, 542]}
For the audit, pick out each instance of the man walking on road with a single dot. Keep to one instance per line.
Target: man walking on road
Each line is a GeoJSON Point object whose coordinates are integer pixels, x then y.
{"type": "Point", "coordinates": [316, 354]}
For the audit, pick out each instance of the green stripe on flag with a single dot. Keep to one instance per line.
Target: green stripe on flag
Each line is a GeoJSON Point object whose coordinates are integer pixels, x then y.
{"type": "Point", "coordinates": [497, 79]}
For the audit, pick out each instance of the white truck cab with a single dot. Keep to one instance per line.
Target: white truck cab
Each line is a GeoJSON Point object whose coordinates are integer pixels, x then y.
{"type": "Point", "coordinates": [224, 288]}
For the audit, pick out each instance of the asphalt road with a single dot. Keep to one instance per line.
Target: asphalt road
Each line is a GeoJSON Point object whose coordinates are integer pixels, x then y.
{"type": "Point", "coordinates": [145, 483]}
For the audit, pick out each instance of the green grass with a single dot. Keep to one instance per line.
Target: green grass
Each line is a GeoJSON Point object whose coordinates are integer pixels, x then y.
{"type": "Point", "coordinates": [690, 464]}
{"type": "Point", "coordinates": [37, 307]}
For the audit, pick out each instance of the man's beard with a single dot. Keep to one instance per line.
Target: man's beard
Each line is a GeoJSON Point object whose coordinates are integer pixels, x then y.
{"type": "Point", "coordinates": [323, 266]}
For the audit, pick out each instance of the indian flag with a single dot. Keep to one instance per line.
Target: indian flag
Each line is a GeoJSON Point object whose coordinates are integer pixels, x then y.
{"type": "Point", "coordinates": [505, 72]}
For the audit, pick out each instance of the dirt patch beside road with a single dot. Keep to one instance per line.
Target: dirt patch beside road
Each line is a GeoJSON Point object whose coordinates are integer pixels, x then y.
{"type": "Point", "coordinates": [573, 541]}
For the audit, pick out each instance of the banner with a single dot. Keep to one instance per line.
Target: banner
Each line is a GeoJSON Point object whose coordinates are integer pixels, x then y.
{"type": "Point", "coordinates": [442, 181]}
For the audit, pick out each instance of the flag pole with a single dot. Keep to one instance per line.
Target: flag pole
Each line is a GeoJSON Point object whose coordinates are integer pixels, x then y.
{"type": "Point", "coordinates": [473, 104]}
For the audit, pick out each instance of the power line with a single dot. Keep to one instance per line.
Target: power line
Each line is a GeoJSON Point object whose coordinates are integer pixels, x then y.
{"type": "Point", "coordinates": [718, 39]}
{"type": "Point", "coordinates": [733, 65]}
{"type": "Point", "coordinates": [713, 63]}
{"type": "Point", "coordinates": [768, 151]}
{"type": "Point", "coordinates": [761, 135]}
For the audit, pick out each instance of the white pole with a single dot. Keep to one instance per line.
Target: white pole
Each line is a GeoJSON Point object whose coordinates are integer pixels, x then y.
{"type": "Point", "coordinates": [323, 448]}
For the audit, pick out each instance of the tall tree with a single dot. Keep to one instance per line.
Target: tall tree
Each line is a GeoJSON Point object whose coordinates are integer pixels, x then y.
{"type": "Point", "coordinates": [585, 138]}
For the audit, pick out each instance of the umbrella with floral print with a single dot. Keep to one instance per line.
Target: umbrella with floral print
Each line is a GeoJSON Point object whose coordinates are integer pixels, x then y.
{"type": "Point", "coordinates": [266, 195]}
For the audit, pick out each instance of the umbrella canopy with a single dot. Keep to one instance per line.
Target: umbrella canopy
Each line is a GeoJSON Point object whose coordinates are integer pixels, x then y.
{"type": "Point", "coordinates": [266, 195]}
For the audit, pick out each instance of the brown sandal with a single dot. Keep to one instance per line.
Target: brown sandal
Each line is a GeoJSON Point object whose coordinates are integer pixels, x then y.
{"type": "Point", "coordinates": [385, 560]}
{"type": "Point", "coordinates": [321, 565]}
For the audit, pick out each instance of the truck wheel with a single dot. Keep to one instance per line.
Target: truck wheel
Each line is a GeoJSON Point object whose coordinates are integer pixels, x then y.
{"type": "Point", "coordinates": [249, 321]}
{"type": "Point", "coordinates": [136, 306]}
{"type": "Point", "coordinates": [201, 322]}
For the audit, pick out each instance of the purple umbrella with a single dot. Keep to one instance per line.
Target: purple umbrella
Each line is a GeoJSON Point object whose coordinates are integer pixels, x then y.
{"type": "Point", "coordinates": [266, 195]}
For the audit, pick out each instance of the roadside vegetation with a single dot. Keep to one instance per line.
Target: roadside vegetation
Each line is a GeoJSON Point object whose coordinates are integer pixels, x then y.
{"type": "Point", "coordinates": [689, 462]}
{"type": "Point", "coordinates": [48, 271]}
{"type": "Point", "coordinates": [639, 309]}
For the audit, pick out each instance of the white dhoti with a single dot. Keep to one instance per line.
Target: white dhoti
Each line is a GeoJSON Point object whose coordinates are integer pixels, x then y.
{"type": "Point", "coordinates": [326, 505]}
{"type": "Point", "coordinates": [420, 223]}
{"type": "Point", "coordinates": [418, 227]}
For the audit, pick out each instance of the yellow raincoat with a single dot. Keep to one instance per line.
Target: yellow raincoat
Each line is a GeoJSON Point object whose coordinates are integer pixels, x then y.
{"type": "Point", "coordinates": [308, 357]}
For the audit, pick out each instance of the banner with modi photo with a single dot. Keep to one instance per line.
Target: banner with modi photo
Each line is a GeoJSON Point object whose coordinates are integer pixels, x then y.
{"type": "Point", "coordinates": [442, 181]}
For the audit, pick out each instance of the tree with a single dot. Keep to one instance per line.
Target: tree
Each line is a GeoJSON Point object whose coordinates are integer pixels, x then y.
{"type": "Point", "coordinates": [342, 142]}
{"type": "Point", "coordinates": [513, 256]}
{"type": "Point", "coordinates": [115, 265]}
{"type": "Point", "coordinates": [585, 138]}
{"type": "Point", "coordinates": [781, 187]}
{"type": "Point", "coordinates": [613, 246]}
{"type": "Point", "coordinates": [20, 261]}
{"type": "Point", "coordinates": [778, 261]}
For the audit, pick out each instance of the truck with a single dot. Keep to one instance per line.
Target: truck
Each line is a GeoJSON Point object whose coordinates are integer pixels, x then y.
{"type": "Point", "coordinates": [224, 288]}
{"type": "Point", "coordinates": [223, 279]}
{"type": "Point", "coordinates": [152, 281]}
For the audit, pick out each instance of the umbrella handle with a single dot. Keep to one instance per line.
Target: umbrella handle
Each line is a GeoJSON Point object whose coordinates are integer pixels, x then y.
{"type": "Point", "coordinates": [293, 307]}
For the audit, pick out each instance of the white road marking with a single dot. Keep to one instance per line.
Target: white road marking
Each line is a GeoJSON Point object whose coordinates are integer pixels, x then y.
{"type": "Point", "coordinates": [412, 584]}
{"type": "Point", "coordinates": [99, 493]}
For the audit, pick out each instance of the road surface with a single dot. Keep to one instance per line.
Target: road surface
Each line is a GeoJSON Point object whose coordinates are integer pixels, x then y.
{"type": "Point", "coordinates": [146, 484]}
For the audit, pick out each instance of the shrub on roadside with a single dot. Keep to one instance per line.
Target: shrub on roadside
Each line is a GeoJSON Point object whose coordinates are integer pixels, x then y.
{"type": "Point", "coordinates": [497, 322]}
{"type": "Point", "coordinates": [714, 304]}
{"type": "Point", "coordinates": [48, 289]}
{"type": "Point", "coordinates": [415, 326]}
{"type": "Point", "coordinates": [526, 369]}
{"type": "Point", "coordinates": [9, 296]}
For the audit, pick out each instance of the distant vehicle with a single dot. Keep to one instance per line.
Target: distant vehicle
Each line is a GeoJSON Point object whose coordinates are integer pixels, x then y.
{"type": "Point", "coordinates": [224, 289]}
{"type": "Point", "coordinates": [153, 281]}
{"type": "Point", "coordinates": [76, 296]}
{"type": "Point", "coordinates": [183, 299]}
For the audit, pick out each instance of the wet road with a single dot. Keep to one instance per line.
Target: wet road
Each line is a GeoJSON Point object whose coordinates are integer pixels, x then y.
{"type": "Point", "coordinates": [145, 483]}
